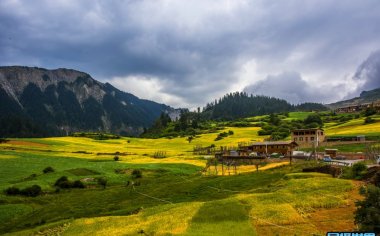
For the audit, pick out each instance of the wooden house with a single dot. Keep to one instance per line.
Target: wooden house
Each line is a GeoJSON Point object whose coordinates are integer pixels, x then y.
{"type": "Point", "coordinates": [267, 148]}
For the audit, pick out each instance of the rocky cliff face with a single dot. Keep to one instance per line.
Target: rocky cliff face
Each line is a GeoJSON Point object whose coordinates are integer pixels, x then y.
{"type": "Point", "coordinates": [63, 100]}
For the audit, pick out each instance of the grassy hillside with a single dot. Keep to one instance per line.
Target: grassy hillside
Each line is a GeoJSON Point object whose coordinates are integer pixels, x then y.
{"type": "Point", "coordinates": [172, 197]}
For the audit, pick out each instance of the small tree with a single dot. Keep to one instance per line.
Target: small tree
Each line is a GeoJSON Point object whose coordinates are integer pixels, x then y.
{"type": "Point", "coordinates": [102, 182]}
{"type": "Point", "coordinates": [78, 184]}
{"type": "Point", "coordinates": [369, 120]}
{"type": "Point", "coordinates": [370, 111]}
{"type": "Point", "coordinates": [12, 191]}
{"type": "Point", "coordinates": [116, 158]}
{"type": "Point", "coordinates": [63, 182]}
{"type": "Point", "coordinates": [358, 169]}
{"type": "Point", "coordinates": [367, 214]}
{"type": "Point", "coordinates": [48, 169]}
{"type": "Point", "coordinates": [136, 174]}
{"type": "Point", "coordinates": [313, 118]}
{"type": "Point", "coordinates": [32, 191]}
{"type": "Point", "coordinates": [190, 138]}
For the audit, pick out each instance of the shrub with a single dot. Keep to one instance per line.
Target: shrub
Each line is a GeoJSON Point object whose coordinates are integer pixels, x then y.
{"type": "Point", "coordinates": [78, 184]}
{"type": "Point", "coordinates": [12, 191]}
{"type": "Point", "coordinates": [358, 169]}
{"type": "Point", "coordinates": [230, 132]}
{"type": "Point", "coordinates": [377, 179]}
{"type": "Point", "coordinates": [102, 182]}
{"type": "Point", "coordinates": [136, 174]}
{"type": "Point", "coordinates": [367, 214]}
{"type": "Point", "coordinates": [48, 169]}
{"type": "Point", "coordinates": [369, 120]}
{"type": "Point", "coordinates": [32, 191]}
{"type": "Point", "coordinates": [264, 132]}
{"type": "Point", "coordinates": [313, 118]}
{"type": "Point", "coordinates": [63, 182]}
{"type": "Point", "coordinates": [370, 111]}
{"type": "Point", "coordinates": [116, 158]}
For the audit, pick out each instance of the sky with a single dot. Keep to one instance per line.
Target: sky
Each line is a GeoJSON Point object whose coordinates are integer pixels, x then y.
{"type": "Point", "coordinates": [187, 53]}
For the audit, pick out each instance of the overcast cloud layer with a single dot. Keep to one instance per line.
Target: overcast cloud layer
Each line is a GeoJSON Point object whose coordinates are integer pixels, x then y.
{"type": "Point", "coordinates": [187, 53]}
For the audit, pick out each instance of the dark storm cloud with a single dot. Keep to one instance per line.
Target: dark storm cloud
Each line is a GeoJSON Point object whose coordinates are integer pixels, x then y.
{"type": "Point", "coordinates": [368, 72]}
{"type": "Point", "coordinates": [291, 87]}
{"type": "Point", "coordinates": [193, 51]}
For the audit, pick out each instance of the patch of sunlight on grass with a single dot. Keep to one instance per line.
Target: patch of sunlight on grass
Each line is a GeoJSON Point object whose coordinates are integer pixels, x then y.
{"type": "Point", "coordinates": [7, 156]}
{"type": "Point", "coordinates": [283, 214]}
{"type": "Point", "coordinates": [274, 165]}
{"type": "Point", "coordinates": [353, 127]}
{"type": "Point", "coordinates": [160, 220]}
{"type": "Point", "coordinates": [243, 168]}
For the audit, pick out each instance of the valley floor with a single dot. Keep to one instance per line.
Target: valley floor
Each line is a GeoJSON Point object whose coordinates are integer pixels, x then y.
{"type": "Point", "coordinates": [172, 197]}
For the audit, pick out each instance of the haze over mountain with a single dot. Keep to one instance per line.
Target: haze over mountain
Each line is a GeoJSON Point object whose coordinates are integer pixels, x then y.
{"type": "Point", "coordinates": [365, 97]}
{"type": "Point", "coordinates": [36, 101]}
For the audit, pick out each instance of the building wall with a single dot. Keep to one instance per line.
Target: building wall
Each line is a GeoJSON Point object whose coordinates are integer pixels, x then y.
{"type": "Point", "coordinates": [308, 137]}
{"type": "Point", "coordinates": [283, 149]}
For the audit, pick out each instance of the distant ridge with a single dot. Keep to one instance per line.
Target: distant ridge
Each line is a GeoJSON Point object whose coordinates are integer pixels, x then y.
{"type": "Point", "coordinates": [365, 97]}
{"type": "Point", "coordinates": [241, 105]}
{"type": "Point", "coordinates": [40, 102]}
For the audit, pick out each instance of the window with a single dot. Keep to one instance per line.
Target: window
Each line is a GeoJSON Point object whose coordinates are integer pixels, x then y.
{"type": "Point", "coordinates": [311, 138]}
{"type": "Point", "coordinates": [295, 139]}
{"type": "Point", "coordinates": [301, 139]}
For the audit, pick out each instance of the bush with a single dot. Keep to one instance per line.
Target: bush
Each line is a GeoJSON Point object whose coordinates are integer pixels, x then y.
{"type": "Point", "coordinates": [377, 179]}
{"type": "Point", "coordinates": [369, 120]}
{"type": "Point", "coordinates": [63, 182]}
{"type": "Point", "coordinates": [78, 184]}
{"type": "Point", "coordinates": [12, 191]}
{"type": "Point", "coordinates": [136, 174]}
{"type": "Point", "coordinates": [370, 111]}
{"type": "Point", "coordinates": [116, 158]}
{"type": "Point", "coordinates": [313, 120]}
{"type": "Point", "coordinates": [32, 191]}
{"type": "Point", "coordinates": [102, 182]}
{"type": "Point", "coordinates": [264, 132]}
{"type": "Point", "coordinates": [48, 169]}
{"type": "Point", "coordinates": [367, 214]}
{"type": "Point", "coordinates": [358, 170]}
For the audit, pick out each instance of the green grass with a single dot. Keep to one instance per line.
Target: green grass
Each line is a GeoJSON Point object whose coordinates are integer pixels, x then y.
{"type": "Point", "coordinates": [172, 197]}
{"type": "Point", "coordinates": [298, 115]}
{"type": "Point", "coordinates": [224, 217]}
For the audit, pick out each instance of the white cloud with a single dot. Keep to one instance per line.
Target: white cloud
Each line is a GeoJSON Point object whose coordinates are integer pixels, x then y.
{"type": "Point", "coordinates": [292, 87]}
{"type": "Point", "coordinates": [145, 87]}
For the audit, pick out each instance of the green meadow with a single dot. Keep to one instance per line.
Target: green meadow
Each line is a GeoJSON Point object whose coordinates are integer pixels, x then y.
{"type": "Point", "coordinates": [174, 196]}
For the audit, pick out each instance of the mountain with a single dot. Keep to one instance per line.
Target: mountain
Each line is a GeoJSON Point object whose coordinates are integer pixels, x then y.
{"type": "Point", "coordinates": [41, 102]}
{"type": "Point", "coordinates": [240, 105]}
{"type": "Point", "coordinates": [365, 97]}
